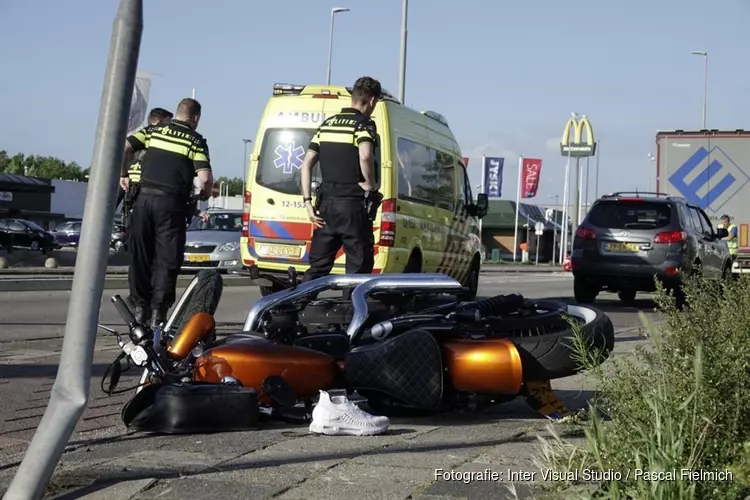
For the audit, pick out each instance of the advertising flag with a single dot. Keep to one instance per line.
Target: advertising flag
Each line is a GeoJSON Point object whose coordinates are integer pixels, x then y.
{"type": "Point", "coordinates": [531, 170]}
{"type": "Point", "coordinates": [139, 104]}
{"type": "Point", "coordinates": [492, 171]}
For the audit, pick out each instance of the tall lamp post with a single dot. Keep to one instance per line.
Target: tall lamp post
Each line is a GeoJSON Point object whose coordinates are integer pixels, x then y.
{"type": "Point", "coordinates": [402, 63]}
{"type": "Point", "coordinates": [704, 54]}
{"type": "Point", "coordinates": [334, 11]}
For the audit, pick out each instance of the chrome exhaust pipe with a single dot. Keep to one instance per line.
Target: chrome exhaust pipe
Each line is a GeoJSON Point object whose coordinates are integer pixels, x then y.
{"type": "Point", "coordinates": [397, 283]}
{"type": "Point", "coordinates": [332, 281]}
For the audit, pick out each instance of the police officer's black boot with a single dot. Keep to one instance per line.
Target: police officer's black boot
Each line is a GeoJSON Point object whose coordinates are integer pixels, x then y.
{"type": "Point", "coordinates": [142, 314]}
{"type": "Point", "coordinates": [160, 316]}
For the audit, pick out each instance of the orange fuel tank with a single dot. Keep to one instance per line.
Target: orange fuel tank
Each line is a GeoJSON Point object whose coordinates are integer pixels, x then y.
{"type": "Point", "coordinates": [485, 366]}
{"type": "Point", "coordinates": [251, 361]}
{"type": "Point", "coordinates": [200, 327]}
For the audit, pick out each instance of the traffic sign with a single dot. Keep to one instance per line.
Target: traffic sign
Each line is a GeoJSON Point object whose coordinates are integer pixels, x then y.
{"type": "Point", "coordinates": [539, 227]}
{"type": "Point", "coordinates": [548, 214]}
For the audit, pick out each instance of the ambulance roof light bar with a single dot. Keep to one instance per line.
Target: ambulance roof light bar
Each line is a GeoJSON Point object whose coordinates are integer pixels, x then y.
{"type": "Point", "coordinates": [294, 89]}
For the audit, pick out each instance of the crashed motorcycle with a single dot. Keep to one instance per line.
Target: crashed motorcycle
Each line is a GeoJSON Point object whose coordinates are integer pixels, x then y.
{"type": "Point", "coordinates": [403, 342]}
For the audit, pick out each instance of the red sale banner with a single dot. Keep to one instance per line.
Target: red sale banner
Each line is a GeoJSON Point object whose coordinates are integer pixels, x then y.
{"type": "Point", "coordinates": [531, 170]}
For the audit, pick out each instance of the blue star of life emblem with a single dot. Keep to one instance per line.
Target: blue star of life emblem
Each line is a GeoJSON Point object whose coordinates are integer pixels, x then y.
{"type": "Point", "coordinates": [288, 157]}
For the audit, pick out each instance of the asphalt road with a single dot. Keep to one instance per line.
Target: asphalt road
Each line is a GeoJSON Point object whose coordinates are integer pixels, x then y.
{"type": "Point", "coordinates": [284, 460]}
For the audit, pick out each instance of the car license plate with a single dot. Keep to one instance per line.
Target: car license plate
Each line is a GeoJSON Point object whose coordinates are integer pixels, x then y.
{"type": "Point", "coordinates": [280, 251]}
{"type": "Point", "coordinates": [622, 247]}
{"type": "Point", "coordinates": [197, 258]}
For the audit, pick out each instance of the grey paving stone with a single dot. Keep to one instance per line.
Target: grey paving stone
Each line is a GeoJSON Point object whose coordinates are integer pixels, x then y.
{"type": "Point", "coordinates": [363, 482]}
{"type": "Point", "coordinates": [205, 488]}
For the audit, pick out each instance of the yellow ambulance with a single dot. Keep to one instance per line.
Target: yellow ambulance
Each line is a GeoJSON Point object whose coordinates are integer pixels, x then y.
{"type": "Point", "coordinates": [428, 221]}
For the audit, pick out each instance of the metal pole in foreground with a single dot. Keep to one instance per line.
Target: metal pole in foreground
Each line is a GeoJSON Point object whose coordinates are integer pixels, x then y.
{"type": "Point", "coordinates": [70, 392]}
{"type": "Point", "coordinates": [402, 67]}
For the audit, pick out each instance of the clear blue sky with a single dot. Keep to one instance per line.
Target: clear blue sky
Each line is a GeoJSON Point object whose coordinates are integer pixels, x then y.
{"type": "Point", "coordinates": [505, 74]}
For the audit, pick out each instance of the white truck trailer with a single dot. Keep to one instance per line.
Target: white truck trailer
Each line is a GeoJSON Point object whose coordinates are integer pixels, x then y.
{"type": "Point", "coordinates": [711, 169]}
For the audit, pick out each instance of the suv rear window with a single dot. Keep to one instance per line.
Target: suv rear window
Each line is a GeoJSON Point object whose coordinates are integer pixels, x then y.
{"type": "Point", "coordinates": [630, 215]}
{"type": "Point", "coordinates": [281, 156]}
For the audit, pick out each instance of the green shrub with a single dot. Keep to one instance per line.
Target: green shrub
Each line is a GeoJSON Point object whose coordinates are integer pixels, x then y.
{"type": "Point", "coordinates": [679, 402]}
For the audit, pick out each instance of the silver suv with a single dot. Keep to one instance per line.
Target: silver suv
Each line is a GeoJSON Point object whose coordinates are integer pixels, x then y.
{"type": "Point", "coordinates": [627, 239]}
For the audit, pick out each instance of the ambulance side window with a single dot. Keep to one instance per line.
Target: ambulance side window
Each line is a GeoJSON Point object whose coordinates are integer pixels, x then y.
{"type": "Point", "coordinates": [461, 183]}
{"type": "Point", "coordinates": [416, 172]}
{"type": "Point", "coordinates": [445, 188]}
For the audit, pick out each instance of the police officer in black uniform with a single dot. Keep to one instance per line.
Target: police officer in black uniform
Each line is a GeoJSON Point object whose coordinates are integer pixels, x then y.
{"type": "Point", "coordinates": [345, 146]}
{"type": "Point", "coordinates": [157, 116]}
{"type": "Point", "coordinates": [175, 155]}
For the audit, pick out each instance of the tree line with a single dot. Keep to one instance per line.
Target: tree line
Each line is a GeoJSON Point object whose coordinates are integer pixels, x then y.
{"type": "Point", "coordinates": [43, 167]}
{"type": "Point", "coordinates": [50, 167]}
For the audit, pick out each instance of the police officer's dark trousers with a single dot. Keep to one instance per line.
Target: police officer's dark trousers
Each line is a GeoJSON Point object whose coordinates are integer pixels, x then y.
{"type": "Point", "coordinates": [120, 196]}
{"type": "Point", "coordinates": [346, 225]}
{"type": "Point", "coordinates": [157, 247]}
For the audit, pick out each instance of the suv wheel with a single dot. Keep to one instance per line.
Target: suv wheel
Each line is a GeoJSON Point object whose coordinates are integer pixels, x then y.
{"type": "Point", "coordinates": [626, 295]}
{"type": "Point", "coordinates": [584, 291]}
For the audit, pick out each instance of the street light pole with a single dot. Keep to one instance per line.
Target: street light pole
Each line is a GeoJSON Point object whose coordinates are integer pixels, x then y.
{"type": "Point", "coordinates": [402, 66]}
{"type": "Point", "coordinates": [705, 82]}
{"type": "Point", "coordinates": [334, 11]}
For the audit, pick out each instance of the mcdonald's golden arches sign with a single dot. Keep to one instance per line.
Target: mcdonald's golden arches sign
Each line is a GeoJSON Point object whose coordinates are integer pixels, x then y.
{"type": "Point", "coordinates": [578, 147]}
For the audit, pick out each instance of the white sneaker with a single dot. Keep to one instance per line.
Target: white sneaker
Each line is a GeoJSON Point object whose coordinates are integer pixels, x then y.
{"type": "Point", "coordinates": [337, 416]}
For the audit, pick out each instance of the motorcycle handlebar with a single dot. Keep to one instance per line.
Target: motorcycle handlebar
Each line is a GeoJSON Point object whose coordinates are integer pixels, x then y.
{"type": "Point", "coordinates": [125, 313]}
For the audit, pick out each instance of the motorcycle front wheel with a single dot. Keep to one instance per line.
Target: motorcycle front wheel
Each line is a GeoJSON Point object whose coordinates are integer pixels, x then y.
{"type": "Point", "coordinates": [554, 353]}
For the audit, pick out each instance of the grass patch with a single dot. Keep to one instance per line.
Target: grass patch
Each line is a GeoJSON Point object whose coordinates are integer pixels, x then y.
{"type": "Point", "coordinates": [678, 403]}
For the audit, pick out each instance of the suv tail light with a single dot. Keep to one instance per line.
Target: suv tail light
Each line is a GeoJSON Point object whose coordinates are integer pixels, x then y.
{"type": "Point", "coordinates": [388, 223]}
{"type": "Point", "coordinates": [671, 237]}
{"type": "Point", "coordinates": [246, 215]}
{"type": "Point", "coordinates": [585, 234]}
